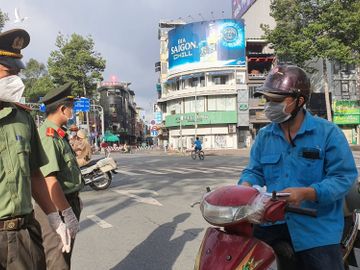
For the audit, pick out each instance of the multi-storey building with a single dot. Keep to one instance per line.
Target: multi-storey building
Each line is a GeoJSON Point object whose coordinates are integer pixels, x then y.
{"type": "Point", "coordinates": [119, 106]}
{"type": "Point", "coordinates": [202, 90]}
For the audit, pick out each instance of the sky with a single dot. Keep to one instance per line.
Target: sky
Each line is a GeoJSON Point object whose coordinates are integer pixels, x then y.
{"type": "Point", "coordinates": [125, 32]}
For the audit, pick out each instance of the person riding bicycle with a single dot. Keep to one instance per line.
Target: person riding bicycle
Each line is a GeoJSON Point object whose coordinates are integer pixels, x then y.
{"type": "Point", "coordinates": [197, 144]}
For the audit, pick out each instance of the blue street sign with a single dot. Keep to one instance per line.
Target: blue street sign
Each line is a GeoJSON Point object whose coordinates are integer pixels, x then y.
{"type": "Point", "coordinates": [154, 133]}
{"type": "Point", "coordinates": [82, 105]}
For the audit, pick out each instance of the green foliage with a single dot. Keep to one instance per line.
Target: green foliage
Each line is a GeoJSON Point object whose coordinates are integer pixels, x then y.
{"type": "Point", "coordinates": [36, 79]}
{"type": "Point", "coordinates": [3, 19]}
{"type": "Point", "coordinates": [306, 30]}
{"type": "Point", "coordinates": [76, 61]}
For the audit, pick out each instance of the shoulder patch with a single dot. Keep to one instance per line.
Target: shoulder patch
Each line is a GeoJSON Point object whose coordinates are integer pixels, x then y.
{"type": "Point", "coordinates": [50, 132]}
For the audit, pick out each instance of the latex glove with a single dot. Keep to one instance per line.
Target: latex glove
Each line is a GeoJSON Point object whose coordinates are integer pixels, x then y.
{"type": "Point", "coordinates": [71, 221]}
{"type": "Point", "coordinates": [61, 229]}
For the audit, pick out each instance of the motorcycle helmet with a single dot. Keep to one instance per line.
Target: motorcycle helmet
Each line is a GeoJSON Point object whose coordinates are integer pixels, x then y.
{"type": "Point", "coordinates": [286, 80]}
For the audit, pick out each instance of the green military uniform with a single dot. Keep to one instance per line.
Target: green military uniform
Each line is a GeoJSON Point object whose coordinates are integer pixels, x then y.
{"type": "Point", "coordinates": [21, 154]}
{"type": "Point", "coordinates": [62, 164]}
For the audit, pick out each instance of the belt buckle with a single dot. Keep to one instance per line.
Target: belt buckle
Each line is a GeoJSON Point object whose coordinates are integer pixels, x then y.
{"type": "Point", "coordinates": [11, 225]}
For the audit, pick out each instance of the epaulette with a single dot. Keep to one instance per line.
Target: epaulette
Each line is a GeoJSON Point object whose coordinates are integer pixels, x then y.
{"type": "Point", "coordinates": [50, 132]}
{"type": "Point", "coordinates": [23, 106]}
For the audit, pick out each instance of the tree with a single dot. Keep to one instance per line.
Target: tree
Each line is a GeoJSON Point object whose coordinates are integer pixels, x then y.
{"type": "Point", "coordinates": [36, 79]}
{"type": "Point", "coordinates": [317, 29]}
{"type": "Point", "coordinates": [3, 19]}
{"type": "Point", "coordinates": [76, 61]}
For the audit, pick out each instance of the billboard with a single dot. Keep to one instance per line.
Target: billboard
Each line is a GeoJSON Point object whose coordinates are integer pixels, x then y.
{"type": "Point", "coordinates": [217, 43]}
{"type": "Point", "coordinates": [239, 7]}
{"type": "Point", "coordinates": [346, 112]}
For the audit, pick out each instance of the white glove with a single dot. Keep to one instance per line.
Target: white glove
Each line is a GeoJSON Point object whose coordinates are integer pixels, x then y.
{"type": "Point", "coordinates": [61, 229]}
{"type": "Point", "coordinates": [71, 221]}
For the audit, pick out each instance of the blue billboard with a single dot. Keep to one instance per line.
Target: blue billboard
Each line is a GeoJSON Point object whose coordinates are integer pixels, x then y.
{"type": "Point", "coordinates": [239, 7]}
{"type": "Point", "coordinates": [217, 43]}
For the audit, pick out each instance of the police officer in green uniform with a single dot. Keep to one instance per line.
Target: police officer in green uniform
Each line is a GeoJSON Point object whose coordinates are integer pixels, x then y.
{"type": "Point", "coordinates": [21, 156]}
{"type": "Point", "coordinates": [62, 174]}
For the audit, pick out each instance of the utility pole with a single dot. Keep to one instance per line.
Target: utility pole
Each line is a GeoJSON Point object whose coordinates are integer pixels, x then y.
{"type": "Point", "coordinates": [102, 118]}
{"type": "Point", "coordinates": [196, 85]}
{"type": "Point", "coordinates": [181, 138]}
{"type": "Point", "coordinates": [326, 91]}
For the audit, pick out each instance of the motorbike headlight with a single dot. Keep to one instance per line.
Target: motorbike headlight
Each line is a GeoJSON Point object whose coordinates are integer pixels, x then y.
{"type": "Point", "coordinates": [227, 215]}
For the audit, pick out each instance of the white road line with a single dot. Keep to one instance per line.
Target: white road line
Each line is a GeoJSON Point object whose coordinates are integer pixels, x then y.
{"type": "Point", "coordinates": [102, 223]}
{"type": "Point", "coordinates": [127, 172]}
{"type": "Point", "coordinates": [151, 172]}
{"type": "Point", "coordinates": [174, 171]}
{"type": "Point", "coordinates": [227, 168]}
{"type": "Point", "coordinates": [147, 200]}
{"type": "Point", "coordinates": [202, 170]}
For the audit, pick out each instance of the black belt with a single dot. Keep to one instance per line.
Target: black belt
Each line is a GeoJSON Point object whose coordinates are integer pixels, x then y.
{"type": "Point", "coordinates": [15, 223]}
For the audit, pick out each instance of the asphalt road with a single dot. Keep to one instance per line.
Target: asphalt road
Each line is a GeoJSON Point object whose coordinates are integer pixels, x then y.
{"type": "Point", "coordinates": [144, 220]}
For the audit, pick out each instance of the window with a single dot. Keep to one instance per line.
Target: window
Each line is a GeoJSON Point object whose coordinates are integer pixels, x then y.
{"type": "Point", "coordinates": [221, 103]}
{"type": "Point", "coordinates": [219, 79]}
{"type": "Point", "coordinates": [190, 105]}
{"type": "Point", "coordinates": [252, 90]}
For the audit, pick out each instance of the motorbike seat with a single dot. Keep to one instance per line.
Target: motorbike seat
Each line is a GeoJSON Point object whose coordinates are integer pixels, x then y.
{"type": "Point", "coordinates": [91, 163]}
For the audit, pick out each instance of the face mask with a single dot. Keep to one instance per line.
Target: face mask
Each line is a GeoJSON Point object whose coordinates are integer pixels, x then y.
{"type": "Point", "coordinates": [11, 88]}
{"type": "Point", "coordinates": [275, 111]}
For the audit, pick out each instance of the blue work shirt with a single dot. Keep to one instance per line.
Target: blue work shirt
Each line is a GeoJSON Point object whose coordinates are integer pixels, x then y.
{"type": "Point", "coordinates": [197, 144]}
{"type": "Point", "coordinates": [321, 159]}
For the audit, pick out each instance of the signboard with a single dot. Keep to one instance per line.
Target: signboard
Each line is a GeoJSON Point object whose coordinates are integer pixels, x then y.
{"type": "Point", "coordinates": [239, 7]}
{"type": "Point", "coordinates": [347, 112]}
{"type": "Point", "coordinates": [217, 43]}
{"type": "Point", "coordinates": [158, 117]}
{"type": "Point", "coordinates": [203, 118]}
{"type": "Point", "coordinates": [154, 133]}
{"type": "Point", "coordinates": [82, 105]}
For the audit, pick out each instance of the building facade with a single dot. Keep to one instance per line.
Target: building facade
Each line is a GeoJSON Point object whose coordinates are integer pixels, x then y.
{"type": "Point", "coordinates": [120, 110]}
{"type": "Point", "coordinates": [202, 90]}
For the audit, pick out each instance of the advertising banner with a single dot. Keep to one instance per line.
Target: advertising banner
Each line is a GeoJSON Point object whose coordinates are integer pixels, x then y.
{"type": "Point", "coordinates": [239, 7]}
{"type": "Point", "coordinates": [202, 118]}
{"type": "Point", "coordinates": [347, 112]}
{"type": "Point", "coordinates": [217, 43]}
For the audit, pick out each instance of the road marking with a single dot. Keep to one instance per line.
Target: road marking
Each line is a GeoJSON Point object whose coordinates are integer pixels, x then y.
{"type": "Point", "coordinates": [202, 170]}
{"type": "Point", "coordinates": [174, 171]}
{"type": "Point", "coordinates": [102, 223]}
{"type": "Point", "coordinates": [226, 168]}
{"type": "Point", "coordinates": [127, 172]}
{"type": "Point", "coordinates": [151, 172]}
{"type": "Point", "coordinates": [147, 200]}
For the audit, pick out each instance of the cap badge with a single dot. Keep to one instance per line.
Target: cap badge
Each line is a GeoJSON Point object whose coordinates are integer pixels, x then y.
{"type": "Point", "coordinates": [18, 43]}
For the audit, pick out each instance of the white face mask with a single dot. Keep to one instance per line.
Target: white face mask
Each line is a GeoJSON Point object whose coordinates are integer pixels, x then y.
{"type": "Point", "coordinates": [275, 111]}
{"type": "Point", "coordinates": [11, 88]}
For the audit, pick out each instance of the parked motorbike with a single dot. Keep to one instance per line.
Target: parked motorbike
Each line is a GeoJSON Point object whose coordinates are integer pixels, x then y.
{"type": "Point", "coordinates": [98, 173]}
{"type": "Point", "coordinates": [235, 209]}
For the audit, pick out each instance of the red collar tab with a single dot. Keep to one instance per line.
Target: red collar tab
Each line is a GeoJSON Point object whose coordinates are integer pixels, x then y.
{"type": "Point", "coordinates": [61, 132]}
{"type": "Point", "coordinates": [50, 132]}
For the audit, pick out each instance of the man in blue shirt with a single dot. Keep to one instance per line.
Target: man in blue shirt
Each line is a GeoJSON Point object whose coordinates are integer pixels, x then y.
{"type": "Point", "coordinates": [309, 158]}
{"type": "Point", "coordinates": [197, 144]}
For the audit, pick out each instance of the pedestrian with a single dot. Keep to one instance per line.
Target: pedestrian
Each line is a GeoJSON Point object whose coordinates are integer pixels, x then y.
{"type": "Point", "coordinates": [309, 158]}
{"type": "Point", "coordinates": [21, 156]}
{"type": "Point", "coordinates": [82, 148]}
{"type": "Point", "coordinates": [62, 174]}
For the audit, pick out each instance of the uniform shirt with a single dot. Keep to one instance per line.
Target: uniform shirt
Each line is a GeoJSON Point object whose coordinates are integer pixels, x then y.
{"type": "Point", "coordinates": [62, 160]}
{"type": "Point", "coordinates": [21, 153]}
{"type": "Point", "coordinates": [321, 159]}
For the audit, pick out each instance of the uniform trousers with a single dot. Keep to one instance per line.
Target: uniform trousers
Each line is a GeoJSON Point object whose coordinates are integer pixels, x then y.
{"type": "Point", "coordinates": [22, 249]}
{"type": "Point", "coordinates": [55, 259]}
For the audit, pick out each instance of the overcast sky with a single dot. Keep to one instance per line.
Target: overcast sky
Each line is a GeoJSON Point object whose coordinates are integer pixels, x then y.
{"type": "Point", "coordinates": [124, 31]}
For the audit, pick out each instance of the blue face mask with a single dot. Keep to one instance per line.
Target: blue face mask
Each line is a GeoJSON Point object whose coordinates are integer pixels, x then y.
{"type": "Point", "coordinates": [275, 111]}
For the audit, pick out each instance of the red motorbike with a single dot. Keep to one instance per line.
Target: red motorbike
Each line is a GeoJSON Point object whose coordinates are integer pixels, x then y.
{"type": "Point", "coordinates": [235, 209]}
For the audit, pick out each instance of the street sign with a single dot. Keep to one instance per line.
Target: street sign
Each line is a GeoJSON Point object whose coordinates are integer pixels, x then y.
{"type": "Point", "coordinates": [153, 122]}
{"type": "Point", "coordinates": [42, 107]}
{"type": "Point", "coordinates": [154, 133]}
{"type": "Point", "coordinates": [82, 105]}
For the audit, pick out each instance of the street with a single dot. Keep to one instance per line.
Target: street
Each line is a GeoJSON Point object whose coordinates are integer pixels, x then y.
{"type": "Point", "coordinates": [144, 220]}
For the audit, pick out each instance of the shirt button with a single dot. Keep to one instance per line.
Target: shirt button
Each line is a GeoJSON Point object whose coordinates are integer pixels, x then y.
{"type": "Point", "coordinates": [9, 171]}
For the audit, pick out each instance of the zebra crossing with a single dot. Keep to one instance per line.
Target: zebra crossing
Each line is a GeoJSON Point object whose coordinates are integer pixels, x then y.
{"type": "Point", "coordinates": [131, 171]}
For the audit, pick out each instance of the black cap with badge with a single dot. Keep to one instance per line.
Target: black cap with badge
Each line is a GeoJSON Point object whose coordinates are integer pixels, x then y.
{"type": "Point", "coordinates": [58, 95]}
{"type": "Point", "coordinates": [11, 44]}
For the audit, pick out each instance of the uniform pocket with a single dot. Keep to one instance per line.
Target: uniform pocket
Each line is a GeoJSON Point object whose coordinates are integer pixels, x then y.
{"type": "Point", "coordinates": [23, 154]}
{"type": "Point", "coordinates": [311, 170]}
{"type": "Point", "coordinates": [271, 167]}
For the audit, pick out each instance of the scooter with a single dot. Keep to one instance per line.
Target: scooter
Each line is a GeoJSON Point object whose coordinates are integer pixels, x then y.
{"type": "Point", "coordinates": [98, 173]}
{"type": "Point", "coordinates": [235, 209]}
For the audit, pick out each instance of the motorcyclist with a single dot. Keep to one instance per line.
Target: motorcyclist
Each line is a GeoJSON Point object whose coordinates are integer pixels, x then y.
{"type": "Point", "coordinates": [309, 158]}
{"type": "Point", "coordinates": [197, 145]}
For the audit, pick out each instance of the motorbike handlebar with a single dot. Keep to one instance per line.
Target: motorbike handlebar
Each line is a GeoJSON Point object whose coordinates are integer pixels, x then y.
{"type": "Point", "coordinates": [302, 211]}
